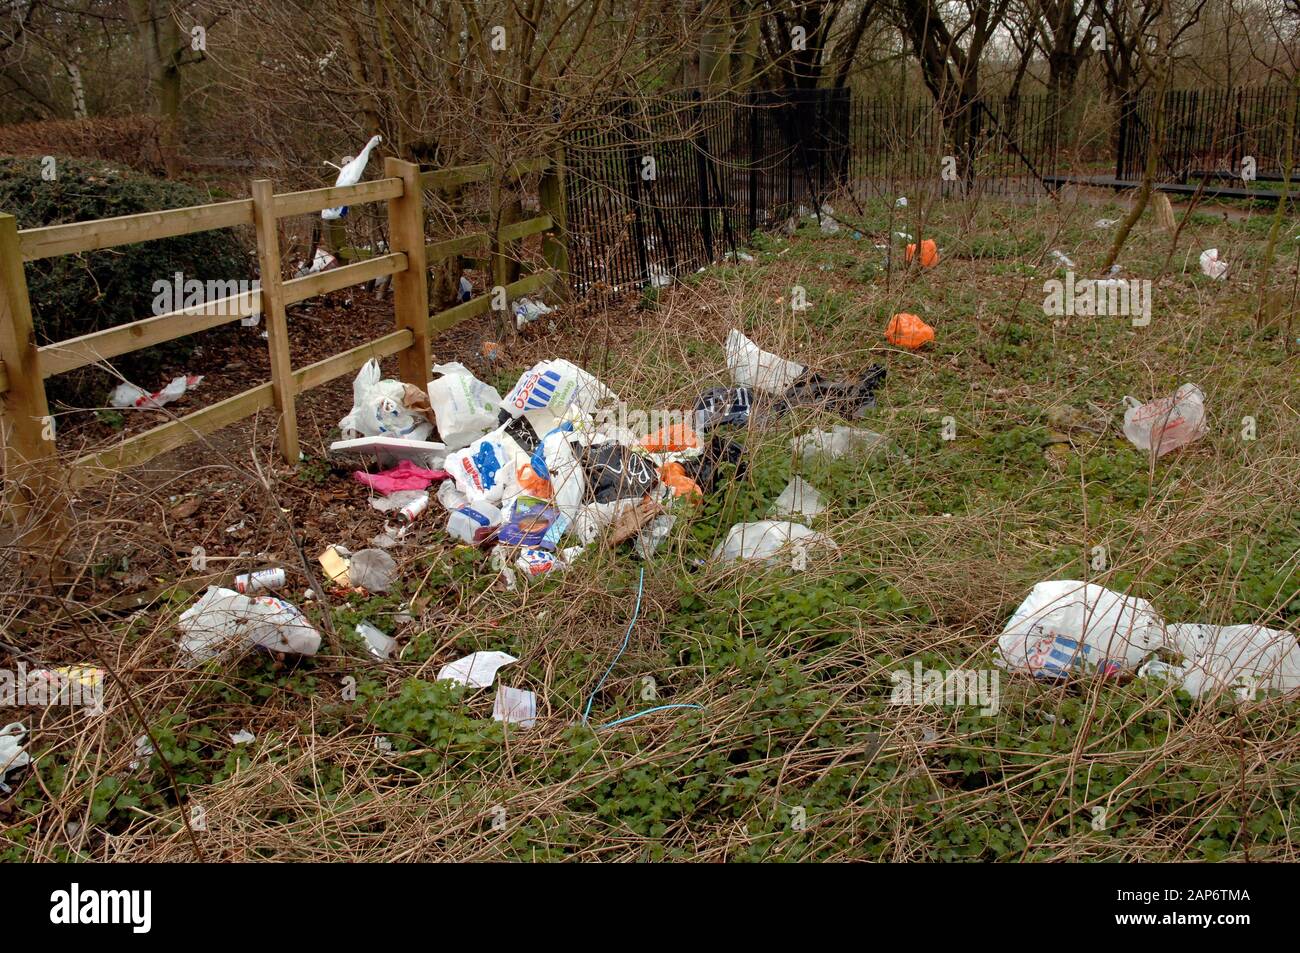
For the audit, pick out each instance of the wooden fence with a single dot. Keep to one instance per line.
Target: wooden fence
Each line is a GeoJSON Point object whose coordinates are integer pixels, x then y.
{"type": "Point", "coordinates": [31, 455]}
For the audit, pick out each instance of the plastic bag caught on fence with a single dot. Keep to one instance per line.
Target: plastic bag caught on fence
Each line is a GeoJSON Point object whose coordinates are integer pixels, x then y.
{"type": "Point", "coordinates": [1066, 626]}
{"type": "Point", "coordinates": [1166, 424]}
{"type": "Point", "coordinates": [753, 367]}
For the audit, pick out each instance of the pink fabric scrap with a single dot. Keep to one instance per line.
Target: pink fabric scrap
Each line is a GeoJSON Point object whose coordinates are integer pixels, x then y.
{"type": "Point", "coordinates": [405, 476]}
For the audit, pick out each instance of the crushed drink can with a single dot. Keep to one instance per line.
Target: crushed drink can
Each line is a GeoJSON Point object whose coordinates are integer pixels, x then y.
{"type": "Point", "coordinates": [262, 579]}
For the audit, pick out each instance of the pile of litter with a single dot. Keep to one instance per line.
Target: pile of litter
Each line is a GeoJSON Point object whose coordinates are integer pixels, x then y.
{"type": "Point", "coordinates": [534, 477]}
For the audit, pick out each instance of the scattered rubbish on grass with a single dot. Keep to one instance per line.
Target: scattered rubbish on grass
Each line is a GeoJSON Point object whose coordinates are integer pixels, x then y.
{"type": "Point", "coordinates": [473, 523]}
{"type": "Point", "coordinates": [12, 755]}
{"type": "Point", "coordinates": [250, 582]}
{"type": "Point", "coordinates": [797, 499]}
{"type": "Point", "coordinates": [909, 331]}
{"type": "Point", "coordinates": [1168, 423]}
{"type": "Point", "coordinates": [1061, 259]}
{"type": "Point", "coordinates": [351, 174]}
{"type": "Point", "coordinates": [1066, 626]}
{"type": "Point", "coordinates": [1105, 223]}
{"type": "Point", "coordinates": [476, 670]}
{"type": "Point", "coordinates": [1212, 266]}
{"type": "Point", "coordinates": [769, 540]}
{"type": "Point", "coordinates": [515, 705]}
{"type": "Point", "coordinates": [901, 201]}
{"type": "Point", "coordinates": [128, 396]}
{"type": "Point", "coordinates": [224, 621]}
{"type": "Point", "coordinates": [242, 737]}
{"type": "Point", "coordinates": [380, 645]}
{"type": "Point", "coordinates": [321, 261]}
{"type": "Point", "coordinates": [929, 253]}
{"type": "Point", "coordinates": [335, 563]}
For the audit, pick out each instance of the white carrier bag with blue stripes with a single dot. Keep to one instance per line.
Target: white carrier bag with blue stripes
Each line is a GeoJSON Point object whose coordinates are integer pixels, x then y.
{"type": "Point", "coordinates": [1065, 627]}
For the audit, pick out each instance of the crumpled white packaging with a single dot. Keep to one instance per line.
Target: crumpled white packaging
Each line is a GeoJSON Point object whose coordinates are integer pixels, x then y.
{"type": "Point", "coordinates": [515, 705]}
{"type": "Point", "coordinates": [223, 620]}
{"type": "Point", "coordinates": [771, 541]}
{"type": "Point", "coordinates": [751, 366]}
{"type": "Point", "coordinates": [1212, 265]}
{"type": "Point", "coordinates": [568, 482]}
{"type": "Point", "coordinates": [838, 442]}
{"type": "Point", "coordinates": [464, 407]}
{"type": "Point", "coordinates": [1230, 657]}
{"type": "Point", "coordinates": [799, 498]}
{"type": "Point", "coordinates": [477, 670]}
{"type": "Point", "coordinates": [1066, 626]}
{"type": "Point", "coordinates": [130, 396]}
{"type": "Point", "coordinates": [12, 755]}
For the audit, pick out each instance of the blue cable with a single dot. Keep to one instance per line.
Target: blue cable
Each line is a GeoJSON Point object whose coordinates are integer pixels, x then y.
{"type": "Point", "coordinates": [627, 637]}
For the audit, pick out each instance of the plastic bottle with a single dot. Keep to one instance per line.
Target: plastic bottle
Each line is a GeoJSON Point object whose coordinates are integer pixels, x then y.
{"type": "Point", "coordinates": [411, 511]}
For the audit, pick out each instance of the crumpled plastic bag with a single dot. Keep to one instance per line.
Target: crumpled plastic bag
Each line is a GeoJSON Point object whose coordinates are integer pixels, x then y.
{"type": "Point", "coordinates": [909, 331]}
{"type": "Point", "coordinates": [553, 386]}
{"type": "Point", "coordinates": [386, 408]}
{"type": "Point", "coordinates": [129, 396]}
{"type": "Point", "coordinates": [797, 499]}
{"type": "Point", "coordinates": [12, 755]}
{"type": "Point", "coordinates": [751, 366]}
{"type": "Point", "coordinates": [464, 407]}
{"type": "Point", "coordinates": [1212, 266]}
{"type": "Point", "coordinates": [1066, 626]}
{"type": "Point", "coordinates": [486, 468]}
{"type": "Point", "coordinates": [1230, 657]}
{"type": "Point", "coordinates": [929, 253]}
{"type": "Point", "coordinates": [477, 670]}
{"type": "Point", "coordinates": [1167, 423]}
{"type": "Point", "coordinates": [555, 461]}
{"type": "Point", "coordinates": [770, 541]}
{"type": "Point", "coordinates": [838, 442]}
{"type": "Point", "coordinates": [224, 621]}
{"type": "Point", "coordinates": [372, 570]}
{"type": "Point", "coordinates": [527, 311]}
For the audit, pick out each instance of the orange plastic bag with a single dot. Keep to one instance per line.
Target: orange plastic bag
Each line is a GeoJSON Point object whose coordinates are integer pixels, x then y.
{"type": "Point", "coordinates": [671, 438]}
{"type": "Point", "coordinates": [909, 331]}
{"type": "Point", "coordinates": [674, 476]}
{"type": "Point", "coordinates": [533, 484]}
{"type": "Point", "coordinates": [929, 253]}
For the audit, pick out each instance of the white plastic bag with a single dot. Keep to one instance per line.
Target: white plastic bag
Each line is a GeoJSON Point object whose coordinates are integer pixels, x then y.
{"type": "Point", "coordinates": [1168, 423]}
{"type": "Point", "coordinates": [1232, 657]}
{"type": "Point", "coordinates": [838, 442]}
{"type": "Point", "coordinates": [464, 407]}
{"type": "Point", "coordinates": [477, 670]}
{"type": "Point", "coordinates": [12, 755]}
{"type": "Point", "coordinates": [223, 620]}
{"type": "Point", "coordinates": [772, 542]}
{"type": "Point", "coordinates": [1212, 266]}
{"type": "Point", "coordinates": [385, 408]}
{"type": "Point", "coordinates": [129, 396]}
{"type": "Point", "coordinates": [486, 468]}
{"type": "Point", "coordinates": [751, 366]}
{"type": "Point", "coordinates": [515, 705]}
{"type": "Point", "coordinates": [797, 499]}
{"type": "Point", "coordinates": [1065, 626]}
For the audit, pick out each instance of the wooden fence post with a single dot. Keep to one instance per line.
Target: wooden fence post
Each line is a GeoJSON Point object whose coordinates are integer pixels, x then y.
{"type": "Point", "coordinates": [277, 325]}
{"type": "Point", "coordinates": [29, 429]}
{"type": "Point", "coordinates": [410, 287]}
{"type": "Point", "coordinates": [555, 243]}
